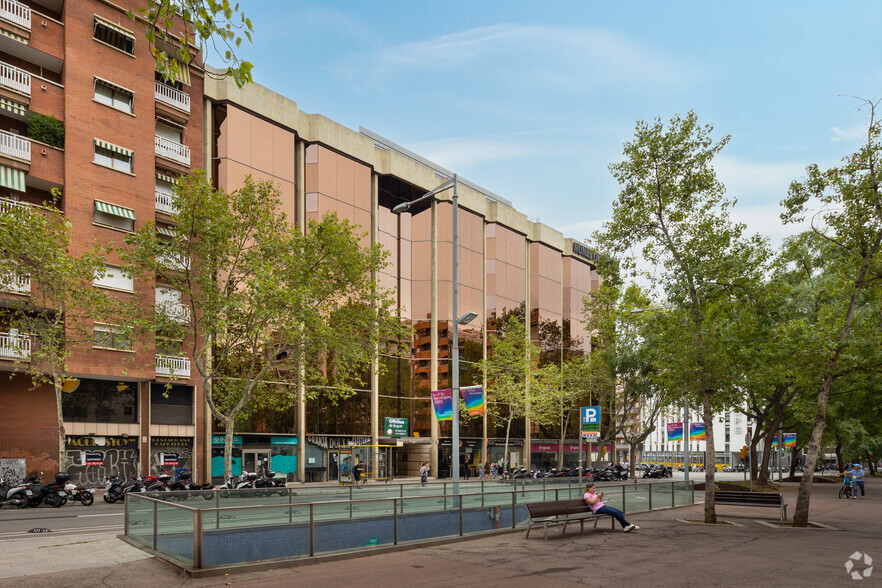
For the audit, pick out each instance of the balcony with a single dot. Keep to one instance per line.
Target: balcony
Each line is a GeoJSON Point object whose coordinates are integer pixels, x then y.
{"type": "Point", "coordinates": [167, 365]}
{"type": "Point", "coordinates": [173, 151]}
{"type": "Point", "coordinates": [164, 203]}
{"type": "Point", "coordinates": [173, 262]}
{"type": "Point", "coordinates": [15, 346]}
{"type": "Point", "coordinates": [7, 205]}
{"type": "Point", "coordinates": [173, 97]}
{"type": "Point", "coordinates": [15, 284]}
{"type": "Point", "coordinates": [12, 145]}
{"type": "Point", "coordinates": [174, 310]}
{"type": "Point", "coordinates": [16, 13]}
{"type": "Point", "coordinates": [15, 79]}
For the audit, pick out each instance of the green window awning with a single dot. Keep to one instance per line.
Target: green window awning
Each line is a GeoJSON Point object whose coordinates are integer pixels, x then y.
{"type": "Point", "coordinates": [115, 27]}
{"type": "Point", "coordinates": [12, 178]}
{"type": "Point", "coordinates": [166, 231]}
{"type": "Point", "coordinates": [166, 178]}
{"type": "Point", "coordinates": [114, 148]}
{"type": "Point", "coordinates": [12, 35]}
{"type": "Point", "coordinates": [114, 210]}
{"type": "Point", "coordinates": [13, 106]}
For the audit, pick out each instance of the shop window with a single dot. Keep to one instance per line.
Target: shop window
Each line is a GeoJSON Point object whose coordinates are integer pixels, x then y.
{"type": "Point", "coordinates": [101, 401]}
{"type": "Point", "coordinates": [171, 405]}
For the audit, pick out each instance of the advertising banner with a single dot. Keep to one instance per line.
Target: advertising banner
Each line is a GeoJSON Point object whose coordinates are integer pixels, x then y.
{"type": "Point", "coordinates": [168, 459]}
{"type": "Point", "coordinates": [790, 440]}
{"type": "Point", "coordinates": [675, 431]}
{"type": "Point", "coordinates": [473, 396]}
{"type": "Point", "coordinates": [93, 458]}
{"type": "Point", "coordinates": [442, 400]}
{"type": "Point", "coordinates": [697, 432]}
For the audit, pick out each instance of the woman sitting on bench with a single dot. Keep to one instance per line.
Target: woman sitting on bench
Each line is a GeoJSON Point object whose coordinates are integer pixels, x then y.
{"type": "Point", "coordinates": [594, 502]}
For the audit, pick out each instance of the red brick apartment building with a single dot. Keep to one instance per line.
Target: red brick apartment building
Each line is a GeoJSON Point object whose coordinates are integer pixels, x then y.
{"type": "Point", "coordinates": [128, 134]}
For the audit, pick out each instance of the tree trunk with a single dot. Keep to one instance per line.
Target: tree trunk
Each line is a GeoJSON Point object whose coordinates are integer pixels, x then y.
{"type": "Point", "coordinates": [505, 461]}
{"type": "Point", "coordinates": [800, 515]}
{"type": "Point", "coordinates": [872, 466]}
{"type": "Point", "coordinates": [632, 455]}
{"type": "Point", "coordinates": [62, 451]}
{"type": "Point", "coordinates": [560, 444]}
{"type": "Point", "coordinates": [839, 463]}
{"type": "Point", "coordinates": [229, 424]}
{"type": "Point", "coordinates": [710, 461]}
{"type": "Point", "coordinates": [763, 474]}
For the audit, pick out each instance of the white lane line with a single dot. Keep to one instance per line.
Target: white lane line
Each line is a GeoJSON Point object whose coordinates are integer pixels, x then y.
{"type": "Point", "coordinates": [109, 514]}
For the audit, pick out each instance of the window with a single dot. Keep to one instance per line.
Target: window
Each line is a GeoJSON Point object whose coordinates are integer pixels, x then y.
{"type": "Point", "coordinates": [171, 405]}
{"type": "Point", "coordinates": [113, 156]}
{"type": "Point", "coordinates": [114, 35]}
{"type": "Point", "coordinates": [117, 217]}
{"type": "Point", "coordinates": [101, 401]}
{"type": "Point", "coordinates": [114, 96]}
{"type": "Point", "coordinates": [113, 337]}
{"type": "Point", "coordinates": [115, 278]}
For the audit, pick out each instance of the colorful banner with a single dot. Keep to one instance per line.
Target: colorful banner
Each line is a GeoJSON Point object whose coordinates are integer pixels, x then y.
{"type": "Point", "coordinates": [474, 399]}
{"type": "Point", "coordinates": [697, 432]}
{"type": "Point", "coordinates": [675, 431]}
{"type": "Point", "coordinates": [775, 441]}
{"type": "Point", "coordinates": [442, 400]}
{"type": "Point", "coordinates": [789, 439]}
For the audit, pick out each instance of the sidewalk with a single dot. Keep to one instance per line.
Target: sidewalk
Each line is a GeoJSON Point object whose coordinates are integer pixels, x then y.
{"type": "Point", "coordinates": [665, 552]}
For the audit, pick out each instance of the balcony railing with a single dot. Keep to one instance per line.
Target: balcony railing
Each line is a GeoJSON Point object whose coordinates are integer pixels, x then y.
{"type": "Point", "coordinates": [164, 203]}
{"type": "Point", "coordinates": [16, 13]}
{"type": "Point", "coordinates": [15, 346]}
{"type": "Point", "coordinates": [171, 150]}
{"type": "Point", "coordinates": [173, 262]}
{"type": "Point", "coordinates": [12, 145]}
{"type": "Point", "coordinates": [7, 205]}
{"type": "Point", "coordinates": [172, 96]}
{"type": "Point", "coordinates": [174, 310]}
{"type": "Point", "coordinates": [15, 284]}
{"type": "Point", "coordinates": [15, 79]}
{"type": "Point", "coordinates": [167, 365]}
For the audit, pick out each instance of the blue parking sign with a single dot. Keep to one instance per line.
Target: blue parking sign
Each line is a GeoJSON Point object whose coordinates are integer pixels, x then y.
{"type": "Point", "coordinates": [590, 415]}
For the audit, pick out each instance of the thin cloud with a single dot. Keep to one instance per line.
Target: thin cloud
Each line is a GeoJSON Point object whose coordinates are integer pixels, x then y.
{"type": "Point", "coordinates": [470, 151]}
{"type": "Point", "coordinates": [850, 134]}
{"type": "Point", "coordinates": [753, 181]}
{"type": "Point", "coordinates": [518, 54]}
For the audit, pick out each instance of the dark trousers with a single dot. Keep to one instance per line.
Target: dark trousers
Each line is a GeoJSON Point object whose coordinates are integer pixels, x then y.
{"type": "Point", "coordinates": [616, 513]}
{"type": "Point", "coordinates": [859, 484]}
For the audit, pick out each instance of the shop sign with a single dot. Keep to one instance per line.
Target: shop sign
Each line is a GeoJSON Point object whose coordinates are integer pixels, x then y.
{"type": "Point", "coordinates": [173, 441]}
{"type": "Point", "coordinates": [168, 459]}
{"type": "Point", "coordinates": [501, 442]}
{"type": "Point", "coordinates": [92, 458]}
{"type": "Point", "coordinates": [326, 442]}
{"type": "Point", "coordinates": [396, 427]}
{"type": "Point", "coordinates": [221, 439]}
{"type": "Point", "coordinates": [83, 441]}
{"type": "Point", "coordinates": [590, 422]}
{"type": "Point", "coordinates": [283, 440]}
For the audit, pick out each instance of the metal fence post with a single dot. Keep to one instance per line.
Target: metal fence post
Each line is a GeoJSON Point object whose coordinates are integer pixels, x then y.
{"type": "Point", "coordinates": [154, 525]}
{"type": "Point", "coordinates": [395, 521]}
{"type": "Point", "coordinates": [673, 502]}
{"type": "Point", "coordinates": [217, 512]}
{"type": "Point", "coordinates": [126, 531]}
{"type": "Point", "coordinates": [312, 528]}
{"type": "Point", "coordinates": [513, 505]}
{"type": "Point", "coordinates": [197, 538]}
{"type": "Point", "coordinates": [623, 499]}
{"type": "Point", "coordinates": [290, 508]}
{"type": "Point", "coordinates": [460, 515]}
{"type": "Point", "coordinates": [650, 497]}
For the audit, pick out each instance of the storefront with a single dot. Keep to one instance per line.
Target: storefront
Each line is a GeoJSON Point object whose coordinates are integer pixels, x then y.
{"type": "Point", "coordinates": [496, 451]}
{"type": "Point", "coordinates": [171, 455]}
{"type": "Point", "coordinates": [544, 454]}
{"type": "Point", "coordinates": [323, 460]}
{"type": "Point", "coordinates": [256, 453]}
{"type": "Point", "coordinates": [93, 459]}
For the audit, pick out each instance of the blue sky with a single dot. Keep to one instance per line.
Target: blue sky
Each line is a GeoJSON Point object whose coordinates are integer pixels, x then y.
{"type": "Point", "coordinates": [532, 100]}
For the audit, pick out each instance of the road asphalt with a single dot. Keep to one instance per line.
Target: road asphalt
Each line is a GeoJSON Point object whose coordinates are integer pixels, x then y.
{"type": "Point", "coordinates": [672, 548]}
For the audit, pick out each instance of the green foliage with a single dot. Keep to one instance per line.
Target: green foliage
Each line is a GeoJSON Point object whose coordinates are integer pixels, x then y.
{"type": "Point", "coordinates": [46, 129]}
{"type": "Point", "coordinates": [215, 24]}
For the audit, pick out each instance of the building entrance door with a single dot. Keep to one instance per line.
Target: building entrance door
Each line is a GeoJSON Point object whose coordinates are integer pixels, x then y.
{"type": "Point", "coordinates": [333, 466]}
{"type": "Point", "coordinates": [255, 460]}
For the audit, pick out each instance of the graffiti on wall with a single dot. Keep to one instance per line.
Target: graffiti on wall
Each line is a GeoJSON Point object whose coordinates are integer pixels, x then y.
{"type": "Point", "coordinates": [168, 454]}
{"type": "Point", "coordinates": [13, 470]}
{"type": "Point", "coordinates": [94, 459]}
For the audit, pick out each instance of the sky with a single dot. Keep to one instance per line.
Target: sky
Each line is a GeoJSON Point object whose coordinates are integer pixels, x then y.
{"type": "Point", "coordinates": [533, 100]}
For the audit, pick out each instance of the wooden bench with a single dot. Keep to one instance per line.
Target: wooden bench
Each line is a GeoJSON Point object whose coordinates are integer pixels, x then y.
{"type": "Point", "coordinates": [562, 512]}
{"type": "Point", "coordinates": [762, 499]}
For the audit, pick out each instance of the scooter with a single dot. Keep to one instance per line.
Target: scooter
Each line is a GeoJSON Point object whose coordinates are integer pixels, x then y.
{"type": "Point", "coordinates": [79, 494]}
{"type": "Point", "coordinates": [51, 494]}
{"type": "Point", "coordinates": [15, 494]}
{"type": "Point", "coordinates": [185, 484]}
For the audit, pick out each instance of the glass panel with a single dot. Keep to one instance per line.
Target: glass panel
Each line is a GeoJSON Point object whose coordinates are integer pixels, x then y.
{"type": "Point", "coordinates": [637, 497]}
{"type": "Point", "coordinates": [428, 518]}
{"type": "Point", "coordinates": [140, 520]}
{"type": "Point", "coordinates": [340, 527]}
{"type": "Point", "coordinates": [256, 536]}
{"type": "Point", "coordinates": [683, 493]}
{"type": "Point", "coordinates": [174, 531]}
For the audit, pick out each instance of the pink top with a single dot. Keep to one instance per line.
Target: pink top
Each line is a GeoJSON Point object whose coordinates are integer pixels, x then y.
{"type": "Point", "coordinates": [594, 507]}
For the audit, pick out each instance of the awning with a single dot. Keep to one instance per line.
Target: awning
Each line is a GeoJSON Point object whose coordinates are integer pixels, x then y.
{"type": "Point", "coordinates": [165, 178]}
{"type": "Point", "coordinates": [114, 209]}
{"type": "Point", "coordinates": [116, 27]}
{"type": "Point", "coordinates": [114, 148]}
{"type": "Point", "coordinates": [166, 231]}
{"type": "Point", "coordinates": [12, 178]}
{"type": "Point", "coordinates": [183, 74]}
{"type": "Point", "coordinates": [11, 35]}
{"type": "Point", "coordinates": [13, 106]}
{"type": "Point", "coordinates": [114, 86]}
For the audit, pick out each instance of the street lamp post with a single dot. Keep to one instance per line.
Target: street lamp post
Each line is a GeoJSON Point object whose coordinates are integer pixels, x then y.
{"type": "Point", "coordinates": [457, 320]}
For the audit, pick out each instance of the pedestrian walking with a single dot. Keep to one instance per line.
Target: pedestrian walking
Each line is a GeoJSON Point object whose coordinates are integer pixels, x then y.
{"type": "Point", "coordinates": [494, 470]}
{"type": "Point", "coordinates": [595, 501]}
{"type": "Point", "coordinates": [487, 470]}
{"type": "Point", "coordinates": [424, 474]}
{"type": "Point", "coordinates": [857, 475]}
{"type": "Point", "coordinates": [357, 473]}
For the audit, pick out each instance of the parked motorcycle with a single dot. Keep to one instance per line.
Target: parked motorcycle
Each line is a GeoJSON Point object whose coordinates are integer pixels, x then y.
{"type": "Point", "coordinates": [52, 494]}
{"type": "Point", "coordinates": [185, 484]}
{"type": "Point", "coordinates": [17, 494]}
{"type": "Point", "coordinates": [79, 494]}
{"type": "Point", "coordinates": [117, 488]}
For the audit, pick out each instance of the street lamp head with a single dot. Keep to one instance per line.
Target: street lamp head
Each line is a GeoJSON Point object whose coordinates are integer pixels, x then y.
{"type": "Point", "coordinates": [403, 207]}
{"type": "Point", "coordinates": [467, 318]}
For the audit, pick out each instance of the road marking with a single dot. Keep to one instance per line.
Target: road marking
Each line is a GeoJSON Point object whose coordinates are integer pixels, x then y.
{"type": "Point", "coordinates": [109, 514]}
{"type": "Point", "coordinates": [84, 530]}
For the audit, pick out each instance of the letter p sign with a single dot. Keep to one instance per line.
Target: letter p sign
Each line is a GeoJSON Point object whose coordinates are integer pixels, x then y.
{"type": "Point", "coordinates": [590, 415]}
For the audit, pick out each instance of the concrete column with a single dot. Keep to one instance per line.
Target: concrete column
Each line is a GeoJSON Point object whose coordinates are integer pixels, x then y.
{"type": "Point", "coordinates": [375, 367]}
{"type": "Point", "coordinates": [300, 214]}
{"type": "Point", "coordinates": [433, 384]}
{"type": "Point", "coordinates": [485, 454]}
